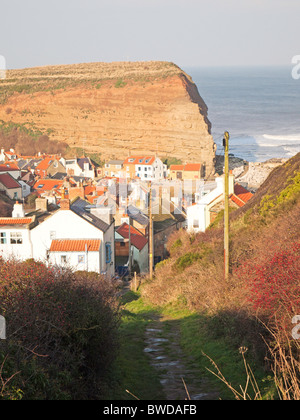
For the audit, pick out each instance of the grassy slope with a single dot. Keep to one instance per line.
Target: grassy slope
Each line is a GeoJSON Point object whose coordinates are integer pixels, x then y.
{"type": "Point", "coordinates": [219, 321]}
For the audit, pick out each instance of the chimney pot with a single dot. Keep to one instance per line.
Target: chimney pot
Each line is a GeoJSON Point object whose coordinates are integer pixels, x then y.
{"type": "Point", "coordinates": [65, 204]}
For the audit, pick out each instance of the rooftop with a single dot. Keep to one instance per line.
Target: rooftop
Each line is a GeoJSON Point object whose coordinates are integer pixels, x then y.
{"type": "Point", "coordinates": [137, 239]}
{"type": "Point", "coordinates": [8, 181]}
{"type": "Point", "coordinates": [139, 160]}
{"type": "Point", "coordinates": [12, 221]}
{"type": "Point", "coordinates": [75, 245]}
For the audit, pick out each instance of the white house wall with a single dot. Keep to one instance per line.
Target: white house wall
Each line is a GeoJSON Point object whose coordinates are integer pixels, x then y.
{"type": "Point", "coordinates": [64, 224]}
{"type": "Point", "coordinates": [20, 251]}
{"type": "Point", "coordinates": [91, 260]}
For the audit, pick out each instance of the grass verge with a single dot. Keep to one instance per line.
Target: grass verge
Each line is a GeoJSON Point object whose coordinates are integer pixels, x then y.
{"type": "Point", "coordinates": [134, 373]}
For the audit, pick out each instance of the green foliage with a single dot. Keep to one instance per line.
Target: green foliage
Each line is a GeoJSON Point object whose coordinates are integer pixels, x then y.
{"type": "Point", "coordinates": [270, 205]}
{"type": "Point", "coordinates": [186, 260]}
{"type": "Point", "coordinates": [171, 161]}
{"type": "Point", "coordinates": [176, 244]}
{"type": "Point", "coordinates": [120, 83]}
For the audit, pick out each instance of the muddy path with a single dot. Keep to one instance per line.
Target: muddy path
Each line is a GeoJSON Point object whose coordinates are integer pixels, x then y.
{"type": "Point", "coordinates": [179, 375]}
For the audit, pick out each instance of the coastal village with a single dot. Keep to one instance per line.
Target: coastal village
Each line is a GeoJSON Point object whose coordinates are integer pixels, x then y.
{"type": "Point", "coordinates": [75, 213]}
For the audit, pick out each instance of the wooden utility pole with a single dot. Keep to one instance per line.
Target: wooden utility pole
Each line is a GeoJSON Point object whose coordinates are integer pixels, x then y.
{"type": "Point", "coordinates": [150, 234]}
{"type": "Point", "coordinates": [129, 237]}
{"type": "Point", "coordinates": [226, 206]}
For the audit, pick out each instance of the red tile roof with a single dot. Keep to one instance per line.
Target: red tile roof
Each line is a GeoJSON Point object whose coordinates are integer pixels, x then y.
{"type": "Point", "coordinates": [44, 164]}
{"type": "Point", "coordinates": [139, 160]}
{"type": "Point", "coordinates": [89, 189]}
{"type": "Point", "coordinates": [8, 181]}
{"type": "Point", "coordinates": [241, 195]}
{"type": "Point", "coordinates": [47, 184]}
{"type": "Point", "coordinates": [15, 221]}
{"type": "Point", "coordinates": [192, 167]}
{"type": "Point", "coordinates": [75, 245]}
{"type": "Point", "coordinates": [186, 167]}
{"type": "Point", "coordinates": [136, 237]}
{"type": "Point", "coordinates": [9, 166]}
{"type": "Point", "coordinates": [176, 167]}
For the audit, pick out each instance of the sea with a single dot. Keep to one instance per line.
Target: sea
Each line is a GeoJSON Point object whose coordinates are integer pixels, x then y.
{"type": "Point", "coordinates": [258, 106]}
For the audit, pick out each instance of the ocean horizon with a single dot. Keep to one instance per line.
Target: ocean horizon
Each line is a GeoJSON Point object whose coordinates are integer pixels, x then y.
{"type": "Point", "coordinates": [258, 106]}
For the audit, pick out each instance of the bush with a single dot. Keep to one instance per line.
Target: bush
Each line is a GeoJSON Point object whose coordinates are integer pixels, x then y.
{"type": "Point", "coordinates": [61, 331]}
{"type": "Point", "coordinates": [273, 286]}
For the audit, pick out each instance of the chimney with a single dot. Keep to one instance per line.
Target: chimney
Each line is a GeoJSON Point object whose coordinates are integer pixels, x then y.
{"type": "Point", "coordinates": [18, 210]}
{"type": "Point", "coordinates": [65, 204]}
{"type": "Point", "coordinates": [41, 203]}
{"type": "Point", "coordinates": [104, 213]}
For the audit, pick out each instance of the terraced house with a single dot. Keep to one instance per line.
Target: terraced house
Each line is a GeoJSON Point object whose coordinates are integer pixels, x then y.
{"type": "Point", "coordinates": [145, 168]}
{"type": "Point", "coordinates": [69, 235]}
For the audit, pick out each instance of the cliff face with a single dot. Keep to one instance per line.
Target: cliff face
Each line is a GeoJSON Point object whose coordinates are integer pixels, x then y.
{"type": "Point", "coordinates": [113, 108]}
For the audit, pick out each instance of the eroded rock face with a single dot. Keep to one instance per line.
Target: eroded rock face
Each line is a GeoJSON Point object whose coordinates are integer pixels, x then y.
{"type": "Point", "coordinates": [114, 109]}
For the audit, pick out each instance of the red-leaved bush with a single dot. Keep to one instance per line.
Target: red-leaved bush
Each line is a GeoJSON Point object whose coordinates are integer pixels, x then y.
{"type": "Point", "coordinates": [274, 286]}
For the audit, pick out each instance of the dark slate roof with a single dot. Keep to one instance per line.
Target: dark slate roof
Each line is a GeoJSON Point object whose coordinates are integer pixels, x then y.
{"type": "Point", "coordinates": [137, 215]}
{"type": "Point", "coordinates": [91, 218]}
{"type": "Point", "coordinates": [32, 163]}
{"type": "Point", "coordinates": [82, 161]}
{"type": "Point", "coordinates": [59, 175]}
{"type": "Point", "coordinates": [22, 162]}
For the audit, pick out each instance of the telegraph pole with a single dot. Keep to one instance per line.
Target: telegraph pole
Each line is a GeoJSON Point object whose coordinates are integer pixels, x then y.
{"type": "Point", "coordinates": [226, 207]}
{"type": "Point", "coordinates": [150, 234]}
{"type": "Point", "coordinates": [129, 237]}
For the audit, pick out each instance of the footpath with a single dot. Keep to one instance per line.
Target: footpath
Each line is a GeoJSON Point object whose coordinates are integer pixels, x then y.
{"type": "Point", "coordinates": [178, 374]}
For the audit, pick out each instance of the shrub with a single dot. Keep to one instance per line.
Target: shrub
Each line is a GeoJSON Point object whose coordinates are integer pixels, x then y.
{"type": "Point", "coordinates": [274, 285]}
{"type": "Point", "coordinates": [61, 331]}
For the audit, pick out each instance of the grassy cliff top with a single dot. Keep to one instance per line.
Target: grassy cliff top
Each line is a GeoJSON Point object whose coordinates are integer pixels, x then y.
{"type": "Point", "coordinates": [102, 71]}
{"type": "Point", "coordinates": [49, 78]}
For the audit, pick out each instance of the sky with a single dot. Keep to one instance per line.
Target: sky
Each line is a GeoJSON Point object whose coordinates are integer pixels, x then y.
{"type": "Point", "coordinates": [186, 32]}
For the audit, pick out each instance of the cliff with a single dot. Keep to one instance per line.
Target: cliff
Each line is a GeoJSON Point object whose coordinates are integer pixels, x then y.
{"type": "Point", "coordinates": [113, 108]}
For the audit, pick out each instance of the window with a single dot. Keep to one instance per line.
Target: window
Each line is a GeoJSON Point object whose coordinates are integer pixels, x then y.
{"type": "Point", "coordinates": [195, 223]}
{"type": "Point", "coordinates": [145, 169]}
{"type": "Point", "coordinates": [139, 168]}
{"type": "Point", "coordinates": [81, 259]}
{"type": "Point", "coordinates": [107, 253]}
{"type": "Point", "coordinates": [15, 195]}
{"type": "Point", "coordinates": [63, 259]}
{"type": "Point", "coordinates": [52, 234]}
{"type": "Point", "coordinates": [3, 238]}
{"type": "Point", "coordinates": [122, 243]}
{"type": "Point", "coordinates": [16, 238]}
